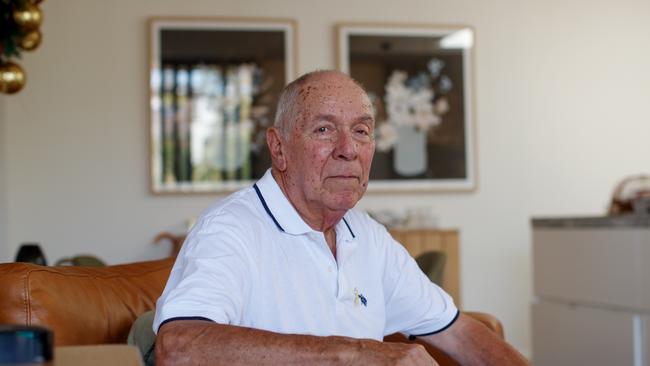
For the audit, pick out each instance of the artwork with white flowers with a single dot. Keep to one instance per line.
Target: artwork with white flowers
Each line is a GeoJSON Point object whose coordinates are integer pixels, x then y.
{"type": "Point", "coordinates": [420, 84]}
{"type": "Point", "coordinates": [214, 85]}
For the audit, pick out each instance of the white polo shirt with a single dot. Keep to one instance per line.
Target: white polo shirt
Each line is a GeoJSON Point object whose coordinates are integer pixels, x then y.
{"type": "Point", "coordinates": [251, 261]}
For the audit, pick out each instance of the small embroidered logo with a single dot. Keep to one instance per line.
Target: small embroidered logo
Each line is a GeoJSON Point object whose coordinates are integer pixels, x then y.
{"type": "Point", "coordinates": [359, 297]}
{"type": "Point", "coordinates": [363, 300]}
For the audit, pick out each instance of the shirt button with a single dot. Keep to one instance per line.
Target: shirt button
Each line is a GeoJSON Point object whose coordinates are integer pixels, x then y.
{"type": "Point", "coordinates": [329, 269]}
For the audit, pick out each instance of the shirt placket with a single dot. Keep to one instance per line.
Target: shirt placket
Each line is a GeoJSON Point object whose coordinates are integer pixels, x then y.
{"type": "Point", "coordinates": [344, 248]}
{"type": "Point", "coordinates": [331, 267]}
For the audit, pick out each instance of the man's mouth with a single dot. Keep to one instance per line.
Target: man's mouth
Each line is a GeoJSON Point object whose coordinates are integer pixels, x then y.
{"type": "Point", "coordinates": [344, 177]}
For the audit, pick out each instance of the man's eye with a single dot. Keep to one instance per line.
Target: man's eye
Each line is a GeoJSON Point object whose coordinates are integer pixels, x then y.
{"type": "Point", "coordinates": [363, 132]}
{"type": "Point", "coordinates": [322, 129]}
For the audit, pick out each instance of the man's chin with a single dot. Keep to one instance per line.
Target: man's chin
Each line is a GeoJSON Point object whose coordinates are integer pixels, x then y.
{"type": "Point", "coordinates": [343, 200]}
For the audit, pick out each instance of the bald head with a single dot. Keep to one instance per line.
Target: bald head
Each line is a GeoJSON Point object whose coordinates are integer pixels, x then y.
{"type": "Point", "coordinates": [291, 99]}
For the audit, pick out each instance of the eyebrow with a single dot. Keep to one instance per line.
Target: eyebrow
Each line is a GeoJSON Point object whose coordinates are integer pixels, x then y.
{"type": "Point", "coordinates": [332, 118]}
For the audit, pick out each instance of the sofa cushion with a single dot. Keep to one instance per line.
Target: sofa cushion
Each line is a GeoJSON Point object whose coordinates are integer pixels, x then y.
{"type": "Point", "coordinates": [81, 305]}
{"type": "Point", "coordinates": [142, 336]}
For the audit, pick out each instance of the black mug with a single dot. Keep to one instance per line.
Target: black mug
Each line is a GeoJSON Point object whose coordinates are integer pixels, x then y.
{"type": "Point", "coordinates": [31, 253]}
{"type": "Point", "coordinates": [22, 344]}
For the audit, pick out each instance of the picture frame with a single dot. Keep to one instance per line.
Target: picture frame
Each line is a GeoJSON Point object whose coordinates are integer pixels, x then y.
{"type": "Point", "coordinates": [213, 89]}
{"type": "Point", "coordinates": [420, 81]}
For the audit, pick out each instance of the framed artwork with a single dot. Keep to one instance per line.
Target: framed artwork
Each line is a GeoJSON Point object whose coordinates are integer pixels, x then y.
{"type": "Point", "coordinates": [213, 88]}
{"type": "Point", "coordinates": [420, 82]}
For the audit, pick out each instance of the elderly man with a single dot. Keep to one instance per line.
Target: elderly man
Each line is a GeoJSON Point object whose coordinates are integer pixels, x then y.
{"type": "Point", "coordinates": [288, 272]}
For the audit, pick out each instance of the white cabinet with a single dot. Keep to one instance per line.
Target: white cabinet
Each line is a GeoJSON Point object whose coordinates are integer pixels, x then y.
{"type": "Point", "coordinates": [566, 334]}
{"type": "Point", "coordinates": [592, 293]}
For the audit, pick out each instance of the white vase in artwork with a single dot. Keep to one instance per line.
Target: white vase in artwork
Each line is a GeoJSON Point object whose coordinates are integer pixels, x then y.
{"type": "Point", "coordinates": [410, 151]}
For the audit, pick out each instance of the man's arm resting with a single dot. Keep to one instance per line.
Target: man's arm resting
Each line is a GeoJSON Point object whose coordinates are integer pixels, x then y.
{"type": "Point", "coordinates": [471, 343]}
{"type": "Point", "coordinates": [197, 342]}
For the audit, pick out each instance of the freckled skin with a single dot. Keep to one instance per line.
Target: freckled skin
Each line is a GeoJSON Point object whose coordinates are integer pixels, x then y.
{"type": "Point", "coordinates": [325, 173]}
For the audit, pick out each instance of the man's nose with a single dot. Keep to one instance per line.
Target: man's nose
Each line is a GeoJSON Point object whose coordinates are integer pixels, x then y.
{"type": "Point", "coordinates": [346, 147]}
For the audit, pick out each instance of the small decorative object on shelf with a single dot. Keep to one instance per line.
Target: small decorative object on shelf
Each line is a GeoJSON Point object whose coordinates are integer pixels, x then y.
{"type": "Point", "coordinates": [19, 30]}
{"type": "Point", "coordinates": [175, 239]}
{"type": "Point", "coordinates": [84, 260]}
{"type": "Point", "coordinates": [31, 253]}
{"type": "Point", "coordinates": [631, 195]}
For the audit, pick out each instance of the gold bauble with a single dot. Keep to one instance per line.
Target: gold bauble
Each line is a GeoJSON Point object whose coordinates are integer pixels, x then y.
{"type": "Point", "coordinates": [31, 40]}
{"type": "Point", "coordinates": [29, 17]}
{"type": "Point", "coordinates": [12, 77]}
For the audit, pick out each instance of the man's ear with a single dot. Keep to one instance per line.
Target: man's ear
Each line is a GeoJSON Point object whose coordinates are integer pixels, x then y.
{"type": "Point", "coordinates": [276, 147]}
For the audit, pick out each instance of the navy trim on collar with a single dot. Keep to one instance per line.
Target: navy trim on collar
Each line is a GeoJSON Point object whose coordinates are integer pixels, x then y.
{"type": "Point", "coordinates": [259, 194]}
{"type": "Point", "coordinates": [348, 225]}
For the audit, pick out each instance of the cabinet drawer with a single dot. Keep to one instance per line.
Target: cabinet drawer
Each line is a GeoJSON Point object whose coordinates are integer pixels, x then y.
{"type": "Point", "coordinates": [567, 335]}
{"type": "Point", "coordinates": [608, 267]}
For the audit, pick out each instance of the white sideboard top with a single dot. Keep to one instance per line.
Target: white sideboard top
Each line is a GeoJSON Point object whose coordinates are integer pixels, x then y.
{"type": "Point", "coordinates": [630, 220]}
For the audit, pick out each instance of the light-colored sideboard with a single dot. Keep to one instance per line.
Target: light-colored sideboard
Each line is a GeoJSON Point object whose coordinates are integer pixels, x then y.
{"type": "Point", "coordinates": [591, 280]}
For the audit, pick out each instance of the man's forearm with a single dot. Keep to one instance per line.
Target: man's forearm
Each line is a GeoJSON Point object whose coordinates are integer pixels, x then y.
{"type": "Point", "coordinates": [195, 342]}
{"type": "Point", "coordinates": [201, 342]}
{"type": "Point", "coordinates": [471, 343]}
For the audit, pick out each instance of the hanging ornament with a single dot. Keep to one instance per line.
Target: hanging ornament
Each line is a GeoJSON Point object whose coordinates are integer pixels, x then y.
{"type": "Point", "coordinates": [31, 40]}
{"type": "Point", "coordinates": [28, 17]}
{"type": "Point", "coordinates": [19, 30]}
{"type": "Point", "coordinates": [12, 78]}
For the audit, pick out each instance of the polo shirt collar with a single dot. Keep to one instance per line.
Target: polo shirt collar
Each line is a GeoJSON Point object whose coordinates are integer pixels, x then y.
{"type": "Point", "coordinates": [344, 230]}
{"type": "Point", "coordinates": [278, 206]}
{"type": "Point", "coordinates": [284, 215]}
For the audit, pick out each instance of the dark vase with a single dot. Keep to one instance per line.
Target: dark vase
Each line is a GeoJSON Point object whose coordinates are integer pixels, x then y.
{"type": "Point", "coordinates": [31, 253]}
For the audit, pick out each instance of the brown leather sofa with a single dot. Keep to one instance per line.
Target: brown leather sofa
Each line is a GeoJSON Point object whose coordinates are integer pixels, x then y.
{"type": "Point", "coordinates": [97, 305]}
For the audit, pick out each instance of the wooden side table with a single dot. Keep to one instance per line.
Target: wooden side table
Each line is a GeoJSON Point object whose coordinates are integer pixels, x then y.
{"type": "Point", "coordinates": [98, 355]}
{"type": "Point", "coordinates": [418, 241]}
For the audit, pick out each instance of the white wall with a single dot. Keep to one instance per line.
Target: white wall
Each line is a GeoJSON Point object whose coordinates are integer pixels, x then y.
{"type": "Point", "coordinates": [561, 90]}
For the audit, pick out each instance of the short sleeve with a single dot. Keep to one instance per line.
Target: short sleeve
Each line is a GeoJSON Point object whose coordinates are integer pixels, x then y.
{"type": "Point", "coordinates": [414, 304]}
{"type": "Point", "coordinates": [211, 276]}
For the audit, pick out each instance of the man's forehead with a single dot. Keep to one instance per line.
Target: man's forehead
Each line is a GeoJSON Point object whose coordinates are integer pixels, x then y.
{"type": "Point", "coordinates": [333, 89]}
{"type": "Point", "coordinates": [331, 80]}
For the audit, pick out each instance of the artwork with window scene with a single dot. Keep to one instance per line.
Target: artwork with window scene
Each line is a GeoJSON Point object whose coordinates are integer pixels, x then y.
{"type": "Point", "coordinates": [214, 86]}
{"type": "Point", "coordinates": [419, 79]}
